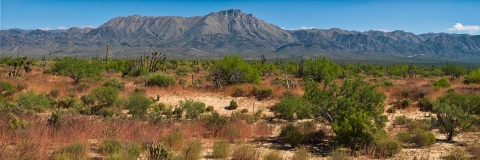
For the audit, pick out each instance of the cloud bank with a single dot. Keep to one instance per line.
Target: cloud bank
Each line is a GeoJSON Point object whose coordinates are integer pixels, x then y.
{"type": "Point", "coordinates": [469, 29]}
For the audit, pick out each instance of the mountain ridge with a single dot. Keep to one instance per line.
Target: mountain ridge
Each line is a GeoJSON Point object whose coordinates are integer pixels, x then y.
{"type": "Point", "coordinates": [233, 31]}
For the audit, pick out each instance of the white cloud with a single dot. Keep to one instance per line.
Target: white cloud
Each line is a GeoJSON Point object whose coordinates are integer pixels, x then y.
{"type": "Point", "coordinates": [303, 28]}
{"type": "Point", "coordinates": [460, 27]}
{"type": "Point", "coordinates": [63, 28]}
{"type": "Point", "coordinates": [382, 30]}
{"type": "Point", "coordinates": [307, 27]}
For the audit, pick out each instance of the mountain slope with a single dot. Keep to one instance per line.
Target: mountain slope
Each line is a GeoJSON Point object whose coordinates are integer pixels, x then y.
{"type": "Point", "coordinates": [233, 31]}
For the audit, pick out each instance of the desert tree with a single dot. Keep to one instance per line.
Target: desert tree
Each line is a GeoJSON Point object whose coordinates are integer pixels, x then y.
{"type": "Point", "coordinates": [453, 120]}
{"type": "Point", "coordinates": [234, 70]}
{"type": "Point", "coordinates": [353, 110]}
{"type": "Point", "coordinates": [77, 69]}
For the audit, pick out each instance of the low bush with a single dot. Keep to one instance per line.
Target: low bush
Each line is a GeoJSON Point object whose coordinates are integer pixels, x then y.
{"type": "Point", "coordinates": [54, 93]}
{"type": "Point", "coordinates": [245, 152]}
{"type": "Point", "coordinates": [404, 136]}
{"type": "Point", "coordinates": [457, 155]}
{"type": "Point", "coordinates": [386, 147]}
{"type": "Point", "coordinates": [238, 92]}
{"type": "Point", "coordinates": [158, 151]}
{"type": "Point", "coordinates": [441, 83]}
{"type": "Point", "coordinates": [7, 88]}
{"type": "Point", "coordinates": [138, 105]}
{"type": "Point", "coordinates": [340, 154]}
{"type": "Point", "coordinates": [233, 105]}
{"type": "Point", "coordinates": [424, 138]}
{"type": "Point", "coordinates": [161, 80]}
{"type": "Point", "coordinates": [69, 102]}
{"type": "Point", "coordinates": [221, 150]}
{"type": "Point", "coordinates": [388, 84]}
{"type": "Point", "coordinates": [115, 82]}
{"type": "Point", "coordinates": [192, 151]}
{"type": "Point", "coordinates": [293, 107]}
{"type": "Point", "coordinates": [400, 120]}
{"type": "Point", "coordinates": [104, 96]}
{"type": "Point", "coordinates": [418, 125]}
{"type": "Point", "coordinates": [301, 154]}
{"type": "Point", "coordinates": [110, 146]}
{"type": "Point", "coordinates": [209, 109]}
{"type": "Point", "coordinates": [405, 103]}
{"type": "Point", "coordinates": [174, 140]}
{"type": "Point", "coordinates": [72, 151]}
{"type": "Point", "coordinates": [425, 104]}
{"type": "Point", "coordinates": [391, 110]}
{"type": "Point", "coordinates": [261, 94]}
{"type": "Point", "coordinates": [292, 135]}
{"type": "Point", "coordinates": [272, 155]}
{"type": "Point", "coordinates": [21, 86]}
{"type": "Point", "coordinates": [33, 101]}
{"type": "Point", "coordinates": [193, 108]}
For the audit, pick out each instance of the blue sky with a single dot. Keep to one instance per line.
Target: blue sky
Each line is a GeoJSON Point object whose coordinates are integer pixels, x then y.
{"type": "Point", "coordinates": [417, 16]}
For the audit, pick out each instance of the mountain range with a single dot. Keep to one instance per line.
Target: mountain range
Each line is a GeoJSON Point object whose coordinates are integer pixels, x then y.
{"type": "Point", "coordinates": [235, 32]}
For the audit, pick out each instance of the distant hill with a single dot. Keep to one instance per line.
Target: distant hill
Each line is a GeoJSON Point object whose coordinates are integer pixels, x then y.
{"type": "Point", "coordinates": [233, 31]}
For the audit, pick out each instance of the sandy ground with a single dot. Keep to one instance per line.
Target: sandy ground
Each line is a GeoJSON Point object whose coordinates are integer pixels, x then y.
{"type": "Point", "coordinates": [218, 101]}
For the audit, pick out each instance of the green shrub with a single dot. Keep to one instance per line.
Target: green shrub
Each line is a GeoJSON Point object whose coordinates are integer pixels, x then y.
{"type": "Point", "coordinates": [104, 96]}
{"type": "Point", "coordinates": [443, 83]}
{"type": "Point", "coordinates": [291, 135]}
{"type": "Point", "coordinates": [140, 90]}
{"type": "Point", "coordinates": [388, 84]}
{"type": "Point", "coordinates": [418, 125]}
{"type": "Point", "coordinates": [292, 107]}
{"type": "Point", "coordinates": [424, 138]}
{"type": "Point", "coordinates": [406, 102]}
{"type": "Point", "coordinates": [238, 92]}
{"type": "Point", "coordinates": [209, 109]}
{"type": "Point", "coordinates": [193, 108]}
{"type": "Point", "coordinates": [425, 104]}
{"type": "Point", "coordinates": [69, 102]}
{"type": "Point", "coordinates": [7, 88]}
{"type": "Point", "coordinates": [404, 136]}
{"type": "Point", "coordinates": [174, 139]}
{"type": "Point", "coordinates": [161, 80]}
{"type": "Point", "coordinates": [77, 68]}
{"type": "Point", "coordinates": [115, 82]}
{"type": "Point", "coordinates": [387, 147]}
{"type": "Point", "coordinates": [21, 86]}
{"type": "Point", "coordinates": [33, 101]}
{"type": "Point", "coordinates": [261, 94]}
{"type": "Point", "coordinates": [401, 120]}
{"type": "Point", "coordinates": [301, 154]}
{"type": "Point", "coordinates": [158, 151]}
{"type": "Point", "coordinates": [192, 151]}
{"type": "Point", "coordinates": [245, 152]}
{"type": "Point", "coordinates": [221, 150]}
{"type": "Point", "coordinates": [55, 119]}
{"type": "Point", "coordinates": [178, 112]}
{"type": "Point", "coordinates": [110, 146]}
{"type": "Point", "coordinates": [82, 87]}
{"type": "Point", "coordinates": [391, 110]}
{"type": "Point", "coordinates": [215, 123]}
{"type": "Point", "coordinates": [138, 105]}
{"type": "Point", "coordinates": [340, 154]}
{"type": "Point", "coordinates": [457, 155]}
{"type": "Point", "coordinates": [272, 155]}
{"type": "Point", "coordinates": [234, 70]}
{"type": "Point", "coordinates": [54, 93]}
{"type": "Point", "coordinates": [244, 110]}
{"type": "Point", "coordinates": [233, 105]}
{"type": "Point", "coordinates": [132, 150]}
{"type": "Point", "coordinates": [72, 151]}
